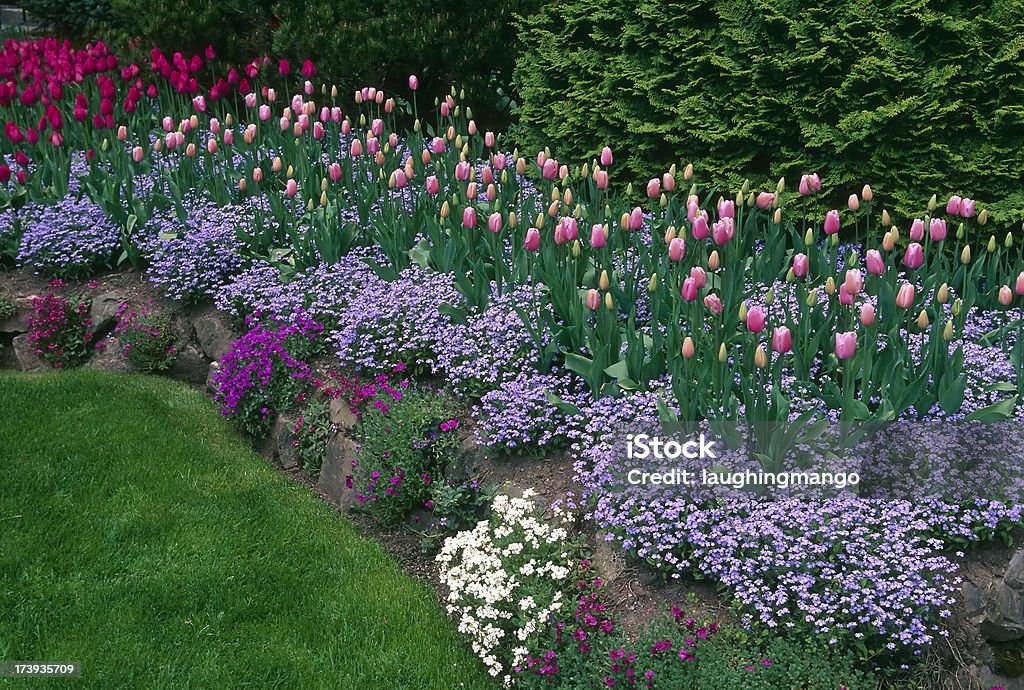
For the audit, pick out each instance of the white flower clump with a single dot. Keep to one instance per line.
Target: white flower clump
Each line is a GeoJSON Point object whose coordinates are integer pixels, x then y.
{"type": "Point", "coordinates": [505, 577]}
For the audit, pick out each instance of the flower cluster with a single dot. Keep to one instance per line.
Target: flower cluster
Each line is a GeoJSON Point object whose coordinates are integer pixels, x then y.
{"type": "Point", "coordinates": [58, 326]}
{"type": "Point", "coordinates": [522, 416]}
{"type": "Point", "coordinates": [70, 238]}
{"type": "Point", "coordinates": [146, 338]}
{"type": "Point", "coordinates": [506, 578]}
{"type": "Point", "coordinates": [266, 372]}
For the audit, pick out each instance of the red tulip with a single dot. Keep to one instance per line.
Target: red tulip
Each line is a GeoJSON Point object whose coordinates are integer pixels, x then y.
{"type": "Point", "coordinates": [283, 67]}
{"type": "Point", "coordinates": [308, 70]}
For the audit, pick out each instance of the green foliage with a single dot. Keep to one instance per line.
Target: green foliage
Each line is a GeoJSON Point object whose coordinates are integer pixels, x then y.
{"type": "Point", "coordinates": [7, 308]}
{"type": "Point", "coordinates": [914, 97]}
{"type": "Point", "coordinates": [146, 338]}
{"type": "Point", "coordinates": [312, 431]}
{"type": "Point", "coordinates": [71, 16]}
{"type": "Point", "coordinates": [405, 444]}
{"type": "Point", "coordinates": [464, 43]}
{"type": "Point", "coordinates": [240, 30]}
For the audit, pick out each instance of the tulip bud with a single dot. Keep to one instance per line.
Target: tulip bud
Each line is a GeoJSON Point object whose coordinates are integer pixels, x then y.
{"type": "Point", "coordinates": [554, 208]}
{"type": "Point", "coordinates": [608, 303]}
{"type": "Point", "coordinates": [652, 284]}
{"type": "Point", "coordinates": [983, 217]}
{"type": "Point", "coordinates": [445, 209]}
{"type": "Point", "coordinates": [242, 184]}
{"type": "Point", "coordinates": [867, 314]}
{"type": "Point", "coordinates": [670, 234]}
{"type": "Point", "coordinates": [777, 218]}
{"type": "Point", "coordinates": [624, 221]}
{"type": "Point", "coordinates": [965, 255]}
{"type": "Point", "coordinates": [830, 286]}
{"type": "Point", "coordinates": [790, 276]}
{"type": "Point", "coordinates": [961, 231]}
{"type": "Point", "coordinates": [866, 193]}
{"type": "Point", "coordinates": [922, 320]}
{"type": "Point", "coordinates": [809, 237]}
{"type": "Point", "coordinates": [577, 249]}
{"type": "Point", "coordinates": [992, 243]}
{"type": "Point", "coordinates": [781, 186]}
{"type": "Point", "coordinates": [853, 203]}
{"type": "Point", "coordinates": [760, 357]}
{"type": "Point", "coordinates": [604, 283]}
{"type": "Point", "coordinates": [769, 297]}
{"type": "Point", "coordinates": [714, 261]}
{"type": "Point", "coordinates": [933, 203]}
{"type": "Point", "coordinates": [889, 241]}
{"type": "Point", "coordinates": [1008, 242]}
{"type": "Point", "coordinates": [290, 172]}
{"type": "Point", "coordinates": [812, 298]}
{"type": "Point", "coordinates": [593, 299]}
{"type": "Point", "coordinates": [886, 221]}
{"type": "Point", "coordinates": [1005, 296]}
{"type": "Point", "coordinates": [688, 172]}
{"type": "Point", "coordinates": [688, 348]}
{"type": "Point", "coordinates": [942, 294]}
{"type": "Point", "coordinates": [751, 200]}
{"type": "Point", "coordinates": [323, 198]}
{"type": "Point", "coordinates": [947, 332]}
{"type": "Point", "coordinates": [723, 354]}
{"type": "Point", "coordinates": [743, 312]}
{"type": "Point", "coordinates": [957, 306]}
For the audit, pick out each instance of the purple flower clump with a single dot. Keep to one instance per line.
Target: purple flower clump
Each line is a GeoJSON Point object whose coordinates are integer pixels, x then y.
{"type": "Point", "coordinates": [72, 237]}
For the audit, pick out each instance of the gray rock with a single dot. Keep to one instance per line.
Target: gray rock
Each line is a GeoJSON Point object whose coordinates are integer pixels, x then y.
{"type": "Point", "coordinates": [16, 324]}
{"type": "Point", "coordinates": [107, 357]}
{"type": "Point", "coordinates": [342, 416]}
{"type": "Point", "coordinates": [190, 366]}
{"type": "Point", "coordinates": [609, 559]}
{"type": "Point", "coordinates": [974, 599]}
{"type": "Point", "coordinates": [281, 444]}
{"type": "Point", "coordinates": [24, 353]}
{"type": "Point", "coordinates": [1004, 618]}
{"type": "Point", "coordinates": [1014, 575]}
{"type": "Point", "coordinates": [103, 311]}
{"type": "Point", "coordinates": [213, 334]}
{"type": "Point", "coordinates": [337, 466]}
{"type": "Point", "coordinates": [210, 372]}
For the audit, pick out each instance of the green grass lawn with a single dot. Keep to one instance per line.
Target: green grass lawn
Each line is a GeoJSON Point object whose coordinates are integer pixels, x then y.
{"type": "Point", "coordinates": [141, 537]}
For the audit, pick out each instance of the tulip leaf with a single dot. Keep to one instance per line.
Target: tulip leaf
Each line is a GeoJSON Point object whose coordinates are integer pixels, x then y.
{"type": "Point", "coordinates": [568, 408]}
{"type": "Point", "coordinates": [420, 254]}
{"type": "Point", "coordinates": [994, 412]}
{"type": "Point", "coordinates": [1001, 387]}
{"type": "Point", "coordinates": [953, 399]}
{"type": "Point", "coordinates": [578, 363]}
{"type": "Point", "coordinates": [456, 314]}
{"type": "Point", "coordinates": [618, 371]}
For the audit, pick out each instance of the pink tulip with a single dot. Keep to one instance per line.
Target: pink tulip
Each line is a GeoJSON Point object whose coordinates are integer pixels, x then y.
{"type": "Point", "coordinates": [257, 175]}
{"type": "Point", "coordinates": [437, 145]}
{"type": "Point", "coordinates": [211, 146]}
{"type": "Point", "coordinates": [653, 188]}
{"type": "Point", "coordinates": [570, 229]}
{"type": "Point", "coordinates": [489, 139]}
{"type": "Point", "coordinates": [1005, 296]}
{"type": "Point", "coordinates": [905, 296]}
{"type": "Point", "coordinates": [168, 124]}
{"type": "Point", "coordinates": [214, 125]}
{"type": "Point", "coordinates": [700, 226]}
{"type": "Point", "coordinates": [357, 148]}
{"type": "Point", "coordinates": [601, 178]}
{"type": "Point", "coordinates": [462, 171]}
{"type": "Point", "coordinates": [550, 169]}
{"type": "Point", "coordinates": [291, 188]}
{"type": "Point", "coordinates": [606, 156]}
{"type": "Point", "coordinates": [876, 265]}
{"type": "Point", "coordinates": [853, 203]}
{"type": "Point", "coordinates": [845, 298]}
{"type": "Point", "coordinates": [486, 176]}
{"type": "Point", "coordinates": [917, 230]}
{"type": "Point", "coordinates": [433, 186]}
{"type": "Point", "coordinates": [334, 172]}
{"type": "Point", "coordinates": [688, 349]}
{"type": "Point", "coordinates": [445, 110]}
{"type": "Point", "coordinates": [636, 219]}
{"type": "Point", "coordinates": [755, 320]}
{"type": "Point", "coordinates": [967, 208]}
{"type": "Point", "coordinates": [250, 99]}
{"type": "Point", "coordinates": [179, 138]}
{"type": "Point", "coordinates": [689, 290]}
{"type": "Point", "coordinates": [377, 126]}
{"type": "Point", "coordinates": [765, 200]}
{"type": "Point", "coordinates": [199, 103]}
{"type": "Point", "coordinates": [532, 242]}
{"type": "Point", "coordinates": [593, 299]}
{"type": "Point", "coordinates": [867, 314]}
{"type": "Point", "coordinates": [714, 304]}
{"type": "Point", "coordinates": [1019, 287]}
{"type": "Point", "coordinates": [953, 205]}
{"type": "Point", "coordinates": [692, 208]}
{"type": "Point", "coordinates": [138, 154]}
{"type": "Point", "coordinates": [264, 112]}
{"type": "Point", "coordinates": [668, 182]}
{"type": "Point", "coordinates": [469, 217]}
{"type": "Point", "coordinates": [318, 130]}
{"type": "Point", "coordinates": [937, 229]}
{"type": "Point", "coordinates": [782, 340]}
{"type": "Point", "coordinates": [914, 256]}
{"type": "Point", "coordinates": [400, 179]}
{"type": "Point", "coordinates": [676, 249]}
{"type": "Point", "coordinates": [229, 137]}
{"type": "Point", "coordinates": [720, 232]}
{"type": "Point", "coordinates": [800, 265]}
{"type": "Point", "coordinates": [414, 82]}
{"type": "Point", "coordinates": [854, 281]}
{"type": "Point", "coordinates": [846, 344]}
{"type": "Point", "coordinates": [805, 188]}
{"type": "Point", "coordinates": [700, 277]}
{"type": "Point", "coordinates": [832, 222]}
{"type": "Point", "coordinates": [393, 140]}
{"type": "Point", "coordinates": [494, 222]}
{"type": "Point", "coordinates": [726, 209]}
{"type": "Point", "coordinates": [597, 238]}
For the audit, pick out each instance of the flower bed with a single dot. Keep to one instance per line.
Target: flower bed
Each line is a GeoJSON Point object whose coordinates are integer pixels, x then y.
{"type": "Point", "coordinates": [564, 310]}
